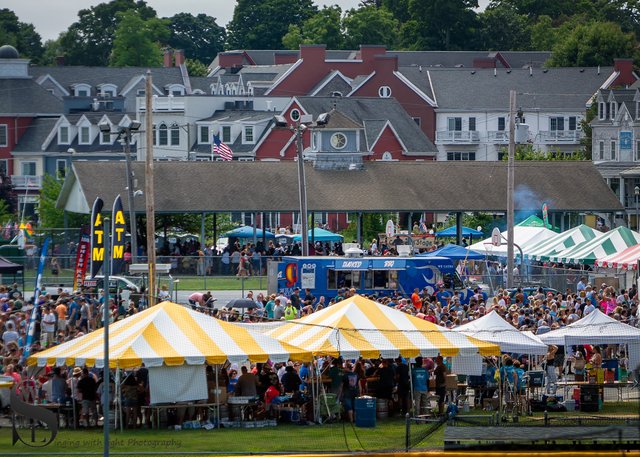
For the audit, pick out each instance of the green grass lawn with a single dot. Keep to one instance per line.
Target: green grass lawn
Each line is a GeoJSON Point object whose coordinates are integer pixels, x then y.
{"type": "Point", "coordinates": [388, 435]}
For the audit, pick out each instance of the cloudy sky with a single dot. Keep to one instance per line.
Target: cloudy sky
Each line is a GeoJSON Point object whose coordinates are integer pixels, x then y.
{"type": "Point", "coordinates": [50, 17]}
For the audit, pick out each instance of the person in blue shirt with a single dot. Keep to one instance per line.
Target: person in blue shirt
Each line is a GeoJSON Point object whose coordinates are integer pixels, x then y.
{"type": "Point", "coordinates": [442, 295]}
{"type": "Point", "coordinates": [73, 313]}
{"type": "Point", "coordinates": [420, 380]}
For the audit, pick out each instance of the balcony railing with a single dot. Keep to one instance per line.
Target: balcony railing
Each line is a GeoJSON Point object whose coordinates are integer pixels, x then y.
{"type": "Point", "coordinates": [560, 136]}
{"type": "Point", "coordinates": [26, 182]}
{"type": "Point", "coordinates": [498, 136]}
{"type": "Point", "coordinates": [457, 136]}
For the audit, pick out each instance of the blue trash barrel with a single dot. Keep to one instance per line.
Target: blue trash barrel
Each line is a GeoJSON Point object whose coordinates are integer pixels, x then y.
{"type": "Point", "coordinates": [365, 412]}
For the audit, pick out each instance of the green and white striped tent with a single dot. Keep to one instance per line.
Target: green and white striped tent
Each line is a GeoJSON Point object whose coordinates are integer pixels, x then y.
{"type": "Point", "coordinates": [562, 241]}
{"type": "Point", "coordinates": [616, 240]}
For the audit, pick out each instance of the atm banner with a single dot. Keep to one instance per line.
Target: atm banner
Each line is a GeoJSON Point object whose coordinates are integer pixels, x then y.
{"type": "Point", "coordinates": [97, 237]}
{"type": "Point", "coordinates": [118, 230]}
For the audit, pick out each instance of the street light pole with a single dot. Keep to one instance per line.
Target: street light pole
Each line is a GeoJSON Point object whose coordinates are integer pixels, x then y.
{"type": "Point", "coordinates": [510, 186]}
{"type": "Point", "coordinates": [636, 191]}
{"type": "Point", "coordinates": [126, 132]}
{"type": "Point", "coordinates": [302, 191]}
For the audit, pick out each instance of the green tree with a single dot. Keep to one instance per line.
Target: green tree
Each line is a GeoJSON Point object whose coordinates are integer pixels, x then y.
{"type": "Point", "coordinates": [543, 34]}
{"type": "Point", "coordinates": [49, 215]}
{"type": "Point", "coordinates": [399, 9]}
{"type": "Point", "coordinates": [89, 41]}
{"type": "Point", "coordinates": [199, 36]}
{"type": "Point", "coordinates": [442, 24]}
{"type": "Point", "coordinates": [20, 35]}
{"type": "Point", "coordinates": [503, 28]}
{"type": "Point", "coordinates": [533, 9]}
{"type": "Point", "coordinates": [261, 24]}
{"type": "Point", "coordinates": [196, 68]}
{"type": "Point", "coordinates": [587, 140]}
{"type": "Point", "coordinates": [137, 41]}
{"type": "Point", "coordinates": [370, 25]}
{"type": "Point", "coordinates": [323, 27]}
{"type": "Point", "coordinates": [592, 44]}
{"type": "Point", "coordinates": [528, 152]}
{"type": "Point", "coordinates": [372, 225]}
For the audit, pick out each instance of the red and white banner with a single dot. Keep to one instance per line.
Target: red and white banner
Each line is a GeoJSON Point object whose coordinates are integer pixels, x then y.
{"type": "Point", "coordinates": [82, 260]}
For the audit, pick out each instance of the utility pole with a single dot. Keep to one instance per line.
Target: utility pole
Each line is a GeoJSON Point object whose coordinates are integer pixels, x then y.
{"type": "Point", "coordinates": [510, 186]}
{"type": "Point", "coordinates": [302, 190]}
{"type": "Point", "coordinates": [149, 191]}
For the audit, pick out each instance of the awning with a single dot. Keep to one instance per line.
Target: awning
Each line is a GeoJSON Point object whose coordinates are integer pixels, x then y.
{"type": "Point", "coordinates": [562, 241]}
{"type": "Point", "coordinates": [611, 242]}
{"type": "Point", "coordinates": [627, 259]}
{"type": "Point", "coordinates": [169, 334]}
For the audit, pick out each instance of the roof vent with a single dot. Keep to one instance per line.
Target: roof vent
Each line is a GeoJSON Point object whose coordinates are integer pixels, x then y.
{"type": "Point", "coordinates": [352, 250]}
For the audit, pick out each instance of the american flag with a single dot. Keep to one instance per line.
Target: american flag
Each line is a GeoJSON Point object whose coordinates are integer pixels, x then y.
{"type": "Point", "coordinates": [423, 225]}
{"type": "Point", "coordinates": [221, 149]}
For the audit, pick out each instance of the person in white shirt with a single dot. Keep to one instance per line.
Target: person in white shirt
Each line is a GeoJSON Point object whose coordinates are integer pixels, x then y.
{"type": "Point", "coordinates": [589, 308]}
{"type": "Point", "coordinates": [48, 327]}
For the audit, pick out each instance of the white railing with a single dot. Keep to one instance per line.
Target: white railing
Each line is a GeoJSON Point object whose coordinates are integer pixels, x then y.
{"type": "Point", "coordinates": [457, 136]}
{"type": "Point", "coordinates": [560, 136]}
{"type": "Point", "coordinates": [498, 136]}
{"type": "Point", "coordinates": [26, 182]}
{"type": "Point", "coordinates": [168, 104]}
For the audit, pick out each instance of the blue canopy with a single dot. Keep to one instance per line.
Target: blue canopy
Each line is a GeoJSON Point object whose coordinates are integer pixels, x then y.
{"type": "Point", "coordinates": [451, 231]}
{"type": "Point", "coordinates": [453, 252]}
{"type": "Point", "coordinates": [320, 234]}
{"type": "Point", "coordinates": [247, 232]}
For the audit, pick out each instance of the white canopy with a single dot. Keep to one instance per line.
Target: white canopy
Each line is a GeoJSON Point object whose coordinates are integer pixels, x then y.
{"type": "Point", "coordinates": [595, 328]}
{"type": "Point", "coordinates": [522, 236]}
{"type": "Point", "coordinates": [494, 329]}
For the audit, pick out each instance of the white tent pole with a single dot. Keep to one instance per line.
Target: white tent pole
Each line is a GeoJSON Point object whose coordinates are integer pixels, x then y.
{"type": "Point", "coordinates": [119, 398]}
{"type": "Point", "coordinates": [217, 399]}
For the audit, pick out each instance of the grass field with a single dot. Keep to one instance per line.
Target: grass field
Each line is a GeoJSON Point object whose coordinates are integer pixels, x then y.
{"type": "Point", "coordinates": [387, 435]}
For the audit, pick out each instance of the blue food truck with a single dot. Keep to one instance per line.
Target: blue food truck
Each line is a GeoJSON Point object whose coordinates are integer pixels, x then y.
{"type": "Point", "coordinates": [368, 275]}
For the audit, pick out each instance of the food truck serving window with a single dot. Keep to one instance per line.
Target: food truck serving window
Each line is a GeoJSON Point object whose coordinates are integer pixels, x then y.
{"type": "Point", "coordinates": [381, 279]}
{"type": "Point", "coordinates": [337, 279]}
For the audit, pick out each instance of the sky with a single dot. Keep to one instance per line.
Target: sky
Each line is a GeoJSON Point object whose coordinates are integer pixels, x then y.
{"type": "Point", "coordinates": [50, 17]}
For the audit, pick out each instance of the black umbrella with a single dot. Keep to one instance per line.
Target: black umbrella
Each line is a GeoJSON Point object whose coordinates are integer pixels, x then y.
{"type": "Point", "coordinates": [244, 303]}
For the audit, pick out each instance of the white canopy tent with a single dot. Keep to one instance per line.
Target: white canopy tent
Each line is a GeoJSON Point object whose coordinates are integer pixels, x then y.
{"type": "Point", "coordinates": [597, 328]}
{"type": "Point", "coordinates": [522, 237]}
{"type": "Point", "coordinates": [494, 329]}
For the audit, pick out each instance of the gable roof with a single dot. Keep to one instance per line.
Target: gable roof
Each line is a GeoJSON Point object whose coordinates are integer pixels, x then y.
{"type": "Point", "coordinates": [378, 187]}
{"type": "Point", "coordinates": [36, 135]}
{"type": "Point", "coordinates": [361, 109]}
{"type": "Point", "coordinates": [554, 88]}
{"type": "Point", "coordinates": [66, 76]}
{"type": "Point", "coordinates": [25, 97]}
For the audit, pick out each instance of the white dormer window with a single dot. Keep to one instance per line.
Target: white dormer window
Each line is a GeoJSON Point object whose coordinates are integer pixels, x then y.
{"type": "Point", "coordinates": [82, 90]}
{"type": "Point", "coordinates": [241, 90]}
{"type": "Point", "coordinates": [84, 135]}
{"type": "Point", "coordinates": [63, 134]}
{"type": "Point", "coordinates": [602, 111]}
{"type": "Point", "coordinates": [108, 90]}
{"type": "Point", "coordinates": [226, 134]}
{"type": "Point", "coordinates": [384, 91]}
{"type": "Point", "coordinates": [227, 89]}
{"type": "Point", "coordinates": [248, 134]}
{"type": "Point", "coordinates": [250, 90]}
{"type": "Point", "coordinates": [613, 110]}
{"type": "Point", "coordinates": [105, 137]}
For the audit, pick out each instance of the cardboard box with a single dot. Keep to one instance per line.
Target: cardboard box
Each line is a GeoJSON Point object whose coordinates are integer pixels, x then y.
{"type": "Point", "coordinates": [221, 391]}
{"type": "Point", "coordinates": [452, 381]}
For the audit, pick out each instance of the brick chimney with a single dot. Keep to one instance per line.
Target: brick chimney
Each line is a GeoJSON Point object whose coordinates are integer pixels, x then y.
{"type": "Point", "coordinates": [179, 57]}
{"type": "Point", "coordinates": [313, 52]}
{"type": "Point", "coordinates": [369, 51]}
{"type": "Point", "coordinates": [625, 69]}
{"type": "Point", "coordinates": [168, 58]}
{"type": "Point", "coordinates": [384, 62]}
{"type": "Point", "coordinates": [282, 57]}
{"type": "Point", "coordinates": [229, 59]}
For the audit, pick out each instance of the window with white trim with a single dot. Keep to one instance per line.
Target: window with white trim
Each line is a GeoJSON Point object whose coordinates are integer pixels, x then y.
{"type": "Point", "coordinates": [338, 140]}
{"type": "Point", "coordinates": [28, 168]}
{"type": "Point", "coordinates": [105, 137]}
{"type": "Point", "coordinates": [502, 122]}
{"type": "Point", "coordinates": [454, 124]}
{"type": "Point", "coordinates": [602, 111]}
{"type": "Point", "coordinates": [612, 151]}
{"type": "Point", "coordinates": [248, 134]}
{"type": "Point", "coordinates": [472, 124]}
{"type": "Point", "coordinates": [4, 135]}
{"type": "Point", "coordinates": [601, 150]}
{"type": "Point", "coordinates": [4, 167]}
{"type": "Point", "coordinates": [163, 135]}
{"type": "Point", "coordinates": [61, 169]}
{"type": "Point", "coordinates": [464, 156]}
{"type": "Point", "coordinates": [63, 134]}
{"type": "Point", "coordinates": [612, 109]}
{"type": "Point", "coordinates": [384, 91]}
{"type": "Point", "coordinates": [82, 90]}
{"type": "Point", "coordinates": [573, 123]}
{"type": "Point", "coordinates": [84, 136]}
{"type": "Point", "coordinates": [226, 134]}
{"type": "Point", "coordinates": [203, 131]}
{"type": "Point", "coordinates": [175, 135]}
{"type": "Point", "coordinates": [108, 90]}
{"type": "Point", "coordinates": [556, 123]}
{"type": "Point", "coordinates": [294, 114]}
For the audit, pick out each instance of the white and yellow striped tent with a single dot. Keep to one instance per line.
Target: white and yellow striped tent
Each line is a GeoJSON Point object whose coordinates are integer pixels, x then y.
{"type": "Point", "coordinates": [170, 334]}
{"type": "Point", "coordinates": [359, 327]}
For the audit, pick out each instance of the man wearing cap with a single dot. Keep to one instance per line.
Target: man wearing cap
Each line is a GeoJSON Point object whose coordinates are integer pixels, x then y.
{"type": "Point", "coordinates": [443, 295]}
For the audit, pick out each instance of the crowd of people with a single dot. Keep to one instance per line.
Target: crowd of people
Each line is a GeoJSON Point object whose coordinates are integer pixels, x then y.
{"type": "Point", "coordinates": [70, 316]}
